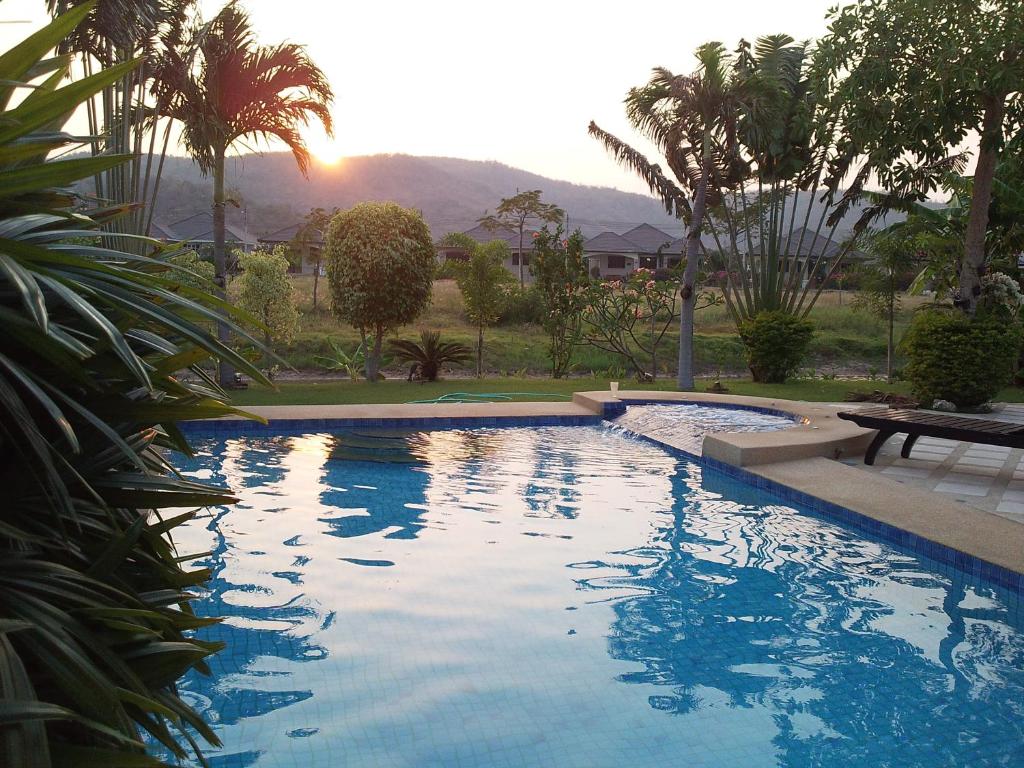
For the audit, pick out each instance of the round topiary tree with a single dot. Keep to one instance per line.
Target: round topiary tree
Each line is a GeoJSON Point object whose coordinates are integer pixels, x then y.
{"type": "Point", "coordinates": [380, 266]}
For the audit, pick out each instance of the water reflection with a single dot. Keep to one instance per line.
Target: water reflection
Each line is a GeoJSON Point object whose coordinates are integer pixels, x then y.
{"type": "Point", "coordinates": [854, 653]}
{"type": "Point", "coordinates": [571, 596]}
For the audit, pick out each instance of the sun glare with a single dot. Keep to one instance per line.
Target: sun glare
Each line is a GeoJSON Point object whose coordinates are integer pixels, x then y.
{"type": "Point", "coordinates": [323, 148]}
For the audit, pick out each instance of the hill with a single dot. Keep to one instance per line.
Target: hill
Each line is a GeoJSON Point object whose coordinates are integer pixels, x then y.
{"type": "Point", "coordinates": [452, 193]}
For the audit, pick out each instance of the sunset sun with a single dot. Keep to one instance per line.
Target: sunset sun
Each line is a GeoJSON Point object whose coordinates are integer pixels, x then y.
{"type": "Point", "coordinates": [323, 148]}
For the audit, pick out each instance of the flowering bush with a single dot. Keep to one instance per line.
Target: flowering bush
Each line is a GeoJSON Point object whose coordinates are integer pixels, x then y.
{"type": "Point", "coordinates": [630, 317]}
{"type": "Point", "coordinates": [1001, 296]}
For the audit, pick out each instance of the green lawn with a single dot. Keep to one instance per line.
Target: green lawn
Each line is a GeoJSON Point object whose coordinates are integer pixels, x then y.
{"type": "Point", "coordinates": [843, 338]}
{"type": "Point", "coordinates": [341, 392]}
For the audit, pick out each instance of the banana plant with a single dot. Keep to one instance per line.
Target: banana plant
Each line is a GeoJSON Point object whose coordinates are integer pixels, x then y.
{"type": "Point", "coordinates": [96, 626]}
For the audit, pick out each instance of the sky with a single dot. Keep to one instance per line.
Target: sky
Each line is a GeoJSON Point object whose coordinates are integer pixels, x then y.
{"type": "Point", "coordinates": [517, 83]}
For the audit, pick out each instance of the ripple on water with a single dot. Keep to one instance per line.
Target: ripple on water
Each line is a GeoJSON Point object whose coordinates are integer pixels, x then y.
{"type": "Point", "coordinates": [579, 597]}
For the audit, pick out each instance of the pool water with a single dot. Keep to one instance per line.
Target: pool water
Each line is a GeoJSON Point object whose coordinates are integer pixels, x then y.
{"type": "Point", "coordinates": [574, 596]}
{"type": "Point", "coordinates": [686, 425]}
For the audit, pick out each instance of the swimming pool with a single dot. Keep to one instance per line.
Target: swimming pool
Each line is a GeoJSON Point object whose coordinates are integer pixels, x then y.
{"type": "Point", "coordinates": [575, 596]}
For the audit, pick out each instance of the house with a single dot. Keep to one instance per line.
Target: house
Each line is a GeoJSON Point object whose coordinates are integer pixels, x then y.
{"type": "Point", "coordinates": [308, 249]}
{"type": "Point", "coordinates": [197, 231]}
{"type": "Point", "coordinates": [482, 234]}
{"type": "Point", "coordinates": [806, 250]}
{"type": "Point", "coordinates": [611, 255]}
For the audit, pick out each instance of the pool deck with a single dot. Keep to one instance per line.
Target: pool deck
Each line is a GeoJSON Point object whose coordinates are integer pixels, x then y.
{"type": "Point", "coordinates": [818, 457]}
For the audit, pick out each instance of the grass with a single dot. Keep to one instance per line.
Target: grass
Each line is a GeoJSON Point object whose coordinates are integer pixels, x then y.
{"type": "Point", "coordinates": [844, 338]}
{"type": "Point", "coordinates": [347, 392]}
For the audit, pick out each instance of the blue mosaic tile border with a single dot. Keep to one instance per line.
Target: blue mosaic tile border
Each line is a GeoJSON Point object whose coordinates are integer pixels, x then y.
{"type": "Point", "coordinates": [940, 553]}
{"type": "Point", "coordinates": [222, 427]}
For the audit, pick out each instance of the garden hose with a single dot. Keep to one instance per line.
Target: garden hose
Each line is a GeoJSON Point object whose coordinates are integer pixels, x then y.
{"type": "Point", "coordinates": [486, 397]}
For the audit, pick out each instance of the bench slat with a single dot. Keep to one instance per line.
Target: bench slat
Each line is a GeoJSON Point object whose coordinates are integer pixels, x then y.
{"type": "Point", "coordinates": [889, 421]}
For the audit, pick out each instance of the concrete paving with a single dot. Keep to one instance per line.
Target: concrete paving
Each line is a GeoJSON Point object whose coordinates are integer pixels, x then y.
{"type": "Point", "coordinates": [988, 477]}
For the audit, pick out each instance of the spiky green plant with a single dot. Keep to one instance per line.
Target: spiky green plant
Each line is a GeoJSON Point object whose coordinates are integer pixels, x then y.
{"type": "Point", "coordinates": [95, 623]}
{"type": "Point", "coordinates": [429, 354]}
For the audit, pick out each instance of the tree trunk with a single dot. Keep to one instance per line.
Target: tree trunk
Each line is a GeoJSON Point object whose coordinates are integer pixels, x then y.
{"type": "Point", "coordinates": [316, 280]}
{"type": "Point", "coordinates": [890, 347]}
{"type": "Point", "coordinates": [480, 352]}
{"type": "Point", "coordinates": [654, 349]}
{"type": "Point", "coordinates": [373, 357]}
{"type": "Point", "coordinates": [225, 371]}
{"type": "Point", "coordinates": [684, 379]}
{"type": "Point", "coordinates": [522, 278]}
{"type": "Point", "coordinates": [981, 198]}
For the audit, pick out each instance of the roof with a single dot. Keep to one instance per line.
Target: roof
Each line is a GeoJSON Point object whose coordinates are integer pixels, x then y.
{"type": "Point", "coordinates": [647, 238]}
{"type": "Point", "coordinates": [289, 233]}
{"type": "Point", "coordinates": [482, 234]}
{"type": "Point", "coordinates": [198, 228]}
{"type": "Point", "coordinates": [814, 245]}
{"type": "Point", "coordinates": [161, 231]}
{"type": "Point", "coordinates": [609, 242]}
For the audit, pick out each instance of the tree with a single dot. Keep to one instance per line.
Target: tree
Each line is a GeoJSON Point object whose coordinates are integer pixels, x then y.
{"type": "Point", "coordinates": [560, 273]}
{"type": "Point", "coordinates": [226, 87]}
{"type": "Point", "coordinates": [892, 254]}
{"type": "Point", "coordinates": [127, 116]}
{"type": "Point", "coordinates": [380, 266]}
{"type": "Point", "coordinates": [691, 119]}
{"type": "Point", "coordinates": [630, 317]}
{"type": "Point", "coordinates": [915, 79]}
{"type": "Point", "coordinates": [484, 283]}
{"type": "Point", "coordinates": [265, 292]}
{"type": "Point", "coordinates": [96, 624]}
{"type": "Point", "coordinates": [513, 213]}
{"type": "Point", "coordinates": [311, 236]}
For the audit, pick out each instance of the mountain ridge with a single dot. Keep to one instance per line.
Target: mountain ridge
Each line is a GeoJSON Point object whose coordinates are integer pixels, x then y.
{"type": "Point", "coordinates": [453, 193]}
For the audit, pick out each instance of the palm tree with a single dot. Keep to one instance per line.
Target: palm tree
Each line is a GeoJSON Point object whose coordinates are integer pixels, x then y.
{"type": "Point", "coordinates": [691, 119]}
{"type": "Point", "coordinates": [230, 88]}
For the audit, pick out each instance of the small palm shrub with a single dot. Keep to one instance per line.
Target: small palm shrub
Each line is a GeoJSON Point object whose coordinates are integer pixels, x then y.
{"type": "Point", "coordinates": [429, 355]}
{"type": "Point", "coordinates": [964, 360]}
{"type": "Point", "coordinates": [776, 344]}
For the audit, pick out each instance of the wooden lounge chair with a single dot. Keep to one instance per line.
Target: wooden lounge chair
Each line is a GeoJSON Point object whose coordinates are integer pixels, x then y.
{"type": "Point", "coordinates": [890, 421]}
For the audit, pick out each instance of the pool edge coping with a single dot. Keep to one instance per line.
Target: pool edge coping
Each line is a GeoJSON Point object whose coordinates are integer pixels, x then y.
{"type": "Point", "coordinates": [801, 467]}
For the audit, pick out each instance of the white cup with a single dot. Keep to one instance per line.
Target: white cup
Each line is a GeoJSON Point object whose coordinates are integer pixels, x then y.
{"type": "Point", "coordinates": [614, 387]}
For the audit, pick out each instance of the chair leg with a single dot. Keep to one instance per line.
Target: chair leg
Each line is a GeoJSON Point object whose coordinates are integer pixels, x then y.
{"type": "Point", "coordinates": [908, 446]}
{"type": "Point", "coordinates": [878, 442]}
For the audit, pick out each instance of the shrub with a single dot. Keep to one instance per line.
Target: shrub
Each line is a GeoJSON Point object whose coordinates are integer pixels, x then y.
{"type": "Point", "coordinates": [776, 344]}
{"type": "Point", "coordinates": [266, 293]}
{"type": "Point", "coordinates": [953, 357]}
{"type": "Point", "coordinates": [523, 306]}
{"type": "Point", "coordinates": [194, 272]}
{"type": "Point", "coordinates": [484, 283]}
{"type": "Point", "coordinates": [447, 270]}
{"type": "Point", "coordinates": [96, 625]}
{"type": "Point", "coordinates": [380, 265]}
{"type": "Point", "coordinates": [429, 354]}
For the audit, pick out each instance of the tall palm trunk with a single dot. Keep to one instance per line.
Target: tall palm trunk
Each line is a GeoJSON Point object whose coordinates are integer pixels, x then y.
{"type": "Point", "coordinates": [981, 199]}
{"type": "Point", "coordinates": [226, 372]}
{"type": "Point", "coordinates": [684, 379]}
